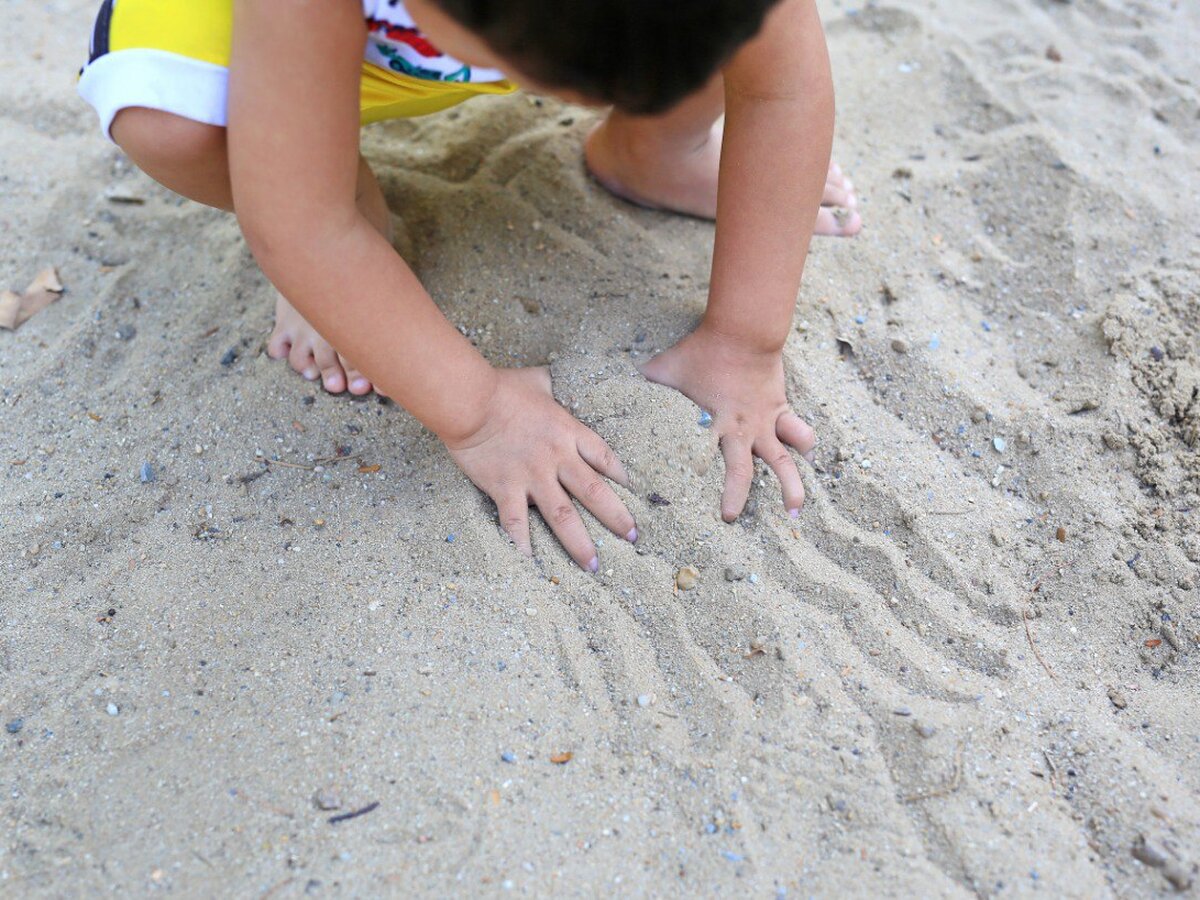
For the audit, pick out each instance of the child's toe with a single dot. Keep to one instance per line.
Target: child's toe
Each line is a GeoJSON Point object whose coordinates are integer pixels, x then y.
{"type": "Point", "coordinates": [358, 384]}
{"type": "Point", "coordinates": [301, 360]}
{"type": "Point", "coordinates": [333, 376]}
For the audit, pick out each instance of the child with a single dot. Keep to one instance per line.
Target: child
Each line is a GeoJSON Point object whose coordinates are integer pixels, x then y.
{"type": "Point", "coordinates": [255, 106]}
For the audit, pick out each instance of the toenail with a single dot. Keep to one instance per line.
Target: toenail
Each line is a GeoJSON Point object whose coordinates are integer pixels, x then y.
{"type": "Point", "coordinates": [360, 384]}
{"type": "Point", "coordinates": [794, 513]}
{"type": "Point", "coordinates": [311, 374]}
{"type": "Point", "coordinates": [632, 536]}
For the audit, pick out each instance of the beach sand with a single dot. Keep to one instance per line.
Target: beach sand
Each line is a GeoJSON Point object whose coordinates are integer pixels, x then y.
{"type": "Point", "coordinates": [969, 668]}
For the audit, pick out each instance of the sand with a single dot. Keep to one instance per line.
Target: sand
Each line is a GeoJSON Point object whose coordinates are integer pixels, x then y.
{"type": "Point", "coordinates": [970, 668]}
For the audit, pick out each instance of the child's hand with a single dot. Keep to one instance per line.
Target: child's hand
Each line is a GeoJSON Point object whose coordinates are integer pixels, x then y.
{"type": "Point", "coordinates": [745, 393]}
{"type": "Point", "coordinates": [531, 450]}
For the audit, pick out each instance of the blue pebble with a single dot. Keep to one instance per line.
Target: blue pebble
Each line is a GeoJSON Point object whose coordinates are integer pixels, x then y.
{"type": "Point", "coordinates": [508, 756]}
{"type": "Point", "coordinates": [705, 419]}
{"type": "Point", "coordinates": [987, 326]}
{"type": "Point", "coordinates": [710, 828]}
{"type": "Point", "coordinates": [14, 726]}
{"type": "Point", "coordinates": [934, 342]}
{"type": "Point", "coordinates": [732, 857]}
{"type": "Point", "coordinates": [976, 454]}
{"type": "Point", "coordinates": [146, 474]}
{"type": "Point", "coordinates": [860, 319]}
{"type": "Point", "coordinates": [451, 538]}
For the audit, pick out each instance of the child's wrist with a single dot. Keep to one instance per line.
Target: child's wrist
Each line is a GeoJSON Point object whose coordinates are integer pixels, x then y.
{"type": "Point", "coordinates": [738, 341]}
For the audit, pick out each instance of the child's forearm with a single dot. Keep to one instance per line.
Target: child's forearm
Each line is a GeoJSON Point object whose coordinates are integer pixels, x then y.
{"type": "Point", "coordinates": [351, 285]}
{"type": "Point", "coordinates": [778, 137]}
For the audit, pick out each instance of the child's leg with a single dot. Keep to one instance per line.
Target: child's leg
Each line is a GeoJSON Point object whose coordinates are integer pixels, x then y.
{"type": "Point", "coordinates": [190, 158]}
{"type": "Point", "coordinates": [671, 162]}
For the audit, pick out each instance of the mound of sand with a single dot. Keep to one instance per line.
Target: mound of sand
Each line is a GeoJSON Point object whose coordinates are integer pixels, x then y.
{"type": "Point", "coordinates": [970, 667]}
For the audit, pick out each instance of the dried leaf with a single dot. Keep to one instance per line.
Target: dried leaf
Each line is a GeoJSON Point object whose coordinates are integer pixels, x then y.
{"type": "Point", "coordinates": [369, 470]}
{"type": "Point", "coordinates": [561, 759]}
{"type": "Point", "coordinates": [1153, 642]}
{"type": "Point", "coordinates": [1061, 534]}
{"type": "Point", "coordinates": [45, 280]}
{"type": "Point", "coordinates": [16, 309]}
{"type": "Point", "coordinates": [10, 308]}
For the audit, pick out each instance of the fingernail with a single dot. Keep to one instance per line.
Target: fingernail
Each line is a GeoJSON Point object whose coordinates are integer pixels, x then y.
{"type": "Point", "coordinates": [811, 457]}
{"type": "Point", "coordinates": [632, 536]}
{"type": "Point", "coordinates": [594, 565]}
{"type": "Point", "coordinates": [794, 513]}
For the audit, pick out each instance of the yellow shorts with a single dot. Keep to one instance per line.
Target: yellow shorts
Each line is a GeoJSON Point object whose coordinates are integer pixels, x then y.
{"type": "Point", "coordinates": [173, 55]}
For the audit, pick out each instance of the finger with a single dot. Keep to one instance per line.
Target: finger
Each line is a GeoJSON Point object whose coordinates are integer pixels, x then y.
{"type": "Point", "coordinates": [563, 518]}
{"type": "Point", "coordinates": [739, 472]}
{"type": "Point", "coordinates": [514, 519]}
{"type": "Point", "coordinates": [797, 433]}
{"type": "Point", "coordinates": [597, 454]}
{"type": "Point", "coordinates": [586, 485]}
{"type": "Point", "coordinates": [776, 455]}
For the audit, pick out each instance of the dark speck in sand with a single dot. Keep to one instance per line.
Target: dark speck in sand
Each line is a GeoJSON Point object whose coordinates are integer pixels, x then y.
{"type": "Point", "coordinates": [230, 357]}
{"type": "Point", "coordinates": [657, 499]}
{"type": "Point", "coordinates": [14, 726]}
{"type": "Point", "coordinates": [1157, 353]}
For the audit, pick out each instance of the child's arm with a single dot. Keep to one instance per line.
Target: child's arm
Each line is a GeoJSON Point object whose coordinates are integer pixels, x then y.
{"type": "Point", "coordinates": [778, 136]}
{"type": "Point", "coordinates": [293, 155]}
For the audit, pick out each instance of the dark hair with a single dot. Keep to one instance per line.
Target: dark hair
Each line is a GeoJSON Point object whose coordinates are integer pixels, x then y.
{"type": "Point", "coordinates": [642, 56]}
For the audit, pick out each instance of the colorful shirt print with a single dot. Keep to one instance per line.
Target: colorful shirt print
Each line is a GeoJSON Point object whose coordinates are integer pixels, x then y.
{"type": "Point", "coordinates": [393, 42]}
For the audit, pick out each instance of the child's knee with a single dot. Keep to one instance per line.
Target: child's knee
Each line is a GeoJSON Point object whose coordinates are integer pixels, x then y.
{"type": "Point", "coordinates": [153, 138]}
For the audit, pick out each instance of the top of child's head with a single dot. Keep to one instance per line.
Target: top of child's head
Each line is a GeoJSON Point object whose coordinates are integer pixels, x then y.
{"type": "Point", "coordinates": [642, 56]}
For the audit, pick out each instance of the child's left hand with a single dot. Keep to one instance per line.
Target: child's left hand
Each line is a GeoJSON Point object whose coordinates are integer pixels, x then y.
{"type": "Point", "coordinates": [744, 391]}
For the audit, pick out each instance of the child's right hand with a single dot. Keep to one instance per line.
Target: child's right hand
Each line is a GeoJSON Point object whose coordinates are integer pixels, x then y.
{"type": "Point", "coordinates": [529, 450]}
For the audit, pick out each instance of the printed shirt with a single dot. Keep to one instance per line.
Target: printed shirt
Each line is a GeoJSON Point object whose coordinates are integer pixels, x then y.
{"type": "Point", "coordinates": [393, 42]}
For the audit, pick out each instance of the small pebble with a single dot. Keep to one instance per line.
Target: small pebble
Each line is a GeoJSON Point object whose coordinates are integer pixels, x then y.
{"type": "Point", "coordinates": [230, 357]}
{"type": "Point", "coordinates": [736, 573]}
{"type": "Point", "coordinates": [732, 857]}
{"type": "Point", "coordinates": [1000, 444]}
{"type": "Point", "coordinates": [326, 800]}
{"type": "Point", "coordinates": [508, 756]}
{"type": "Point", "coordinates": [934, 342]}
{"type": "Point", "coordinates": [902, 711]}
{"type": "Point", "coordinates": [146, 474]}
{"type": "Point", "coordinates": [900, 345]}
{"type": "Point", "coordinates": [15, 726]}
{"type": "Point", "coordinates": [753, 579]}
{"type": "Point", "coordinates": [706, 419]}
{"type": "Point", "coordinates": [687, 578]}
{"type": "Point", "coordinates": [530, 611]}
{"type": "Point", "coordinates": [925, 731]}
{"type": "Point", "coordinates": [645, 700]}
{"type": "Point", "coordinates": [451, 538]}
{"type": "Point", "coordinates": [113, 709]}
{"type": "Point", "coordinates": [860, 319]}
{"type": "Point", "coordinates": [126, 332]}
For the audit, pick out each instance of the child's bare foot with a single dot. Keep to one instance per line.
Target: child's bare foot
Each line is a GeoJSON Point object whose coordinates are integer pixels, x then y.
{"type": "Point", "coordinates": [310, 354]}
{"type": "Point", "coordinates": [683, 179]}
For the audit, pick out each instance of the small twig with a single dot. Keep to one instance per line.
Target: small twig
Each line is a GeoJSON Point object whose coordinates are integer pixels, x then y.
{"type": "Point", "coordinates": [952, 784]}
{"type": "Point", "coordinates": [1029, 633]}
{"type": "Point", "coordinates": [1053, 767]}
{"type": "Point", "coordinates": [346, 817]}
{"type": "Point", "coordinates": [277, 888]}
{"type": "Point", "coordinates": [323, 461]}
